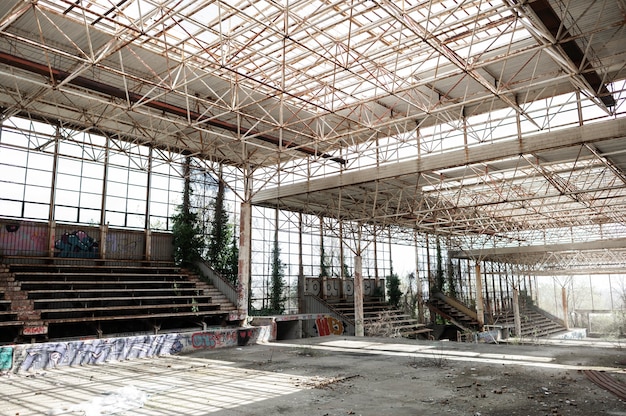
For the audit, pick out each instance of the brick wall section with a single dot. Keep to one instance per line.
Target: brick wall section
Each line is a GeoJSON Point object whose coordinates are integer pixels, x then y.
{"type": "Point", "coordinates": [20, 304]}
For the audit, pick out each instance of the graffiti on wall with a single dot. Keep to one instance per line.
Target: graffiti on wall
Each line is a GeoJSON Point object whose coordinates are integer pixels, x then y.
{"type": "Point", "coordinates": [76, 244]}
{"type": "Point", "coordinates": [221, 339]}
{"type": "Point", "coordinates": [16, 239]}
{"type": "Point", "coordinates": [32, 357]}
{"type": "Point", "coordinates": [124, 244]}
{"type": "Point", "coordinates": [6, 358]}
{"type": "Point", "coordinates": [328, 325]}
{"type": "Point", "coordinates": [96, 351]}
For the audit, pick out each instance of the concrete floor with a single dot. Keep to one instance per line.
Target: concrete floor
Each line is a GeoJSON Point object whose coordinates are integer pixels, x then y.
{"type": "Point", "coordinates": [331, 376]}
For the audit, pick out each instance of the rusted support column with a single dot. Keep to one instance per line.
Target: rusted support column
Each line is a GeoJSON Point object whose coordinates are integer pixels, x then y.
{"type": "Point", "coordinates": [104, 231]}
{"type": "Point", "coordinates": [358, 297]}
{"type": "Point", "coordinates": [516, 315]}
{"type": "Point", "coordinates": [342, 272]}
{"type": "Point", "coordinates": [300, 268]}
{"type": "Point", "coordinates": [148, 248]}
{"type": "Point", "coordinates": [52, 225]}
{"type": "Point", "coordinates": [375, 245]}
{"type": "Point", "coordinates": [418, 283]}
{"type": "Point", "coordinates": [480, 307]}
{"type": "Point", "coordinates": [565, 312]}
{"type": "Point", "coordinates": [243, 276]}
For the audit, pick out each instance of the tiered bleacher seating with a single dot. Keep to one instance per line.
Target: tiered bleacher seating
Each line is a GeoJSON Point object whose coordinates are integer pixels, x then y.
{"type": "Point", "coordinates": [79, 298]}
{"type": "Point", "coordinates": [533, 323]}
{"type": "Point", "coordinates": [380, 319]}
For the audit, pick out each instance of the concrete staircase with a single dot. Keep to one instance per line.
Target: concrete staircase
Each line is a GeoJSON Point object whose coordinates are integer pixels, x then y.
{"type": "Point", "coordinates": [54, 298]}
{"type": "Point", "coordinates": [210, 290]}
{"type": "Point", "coordinates": [536, 323]}
{"type": "Point", "coordinates": [454, 311]}
{"type": "Point", "coordinates": [381, 319]}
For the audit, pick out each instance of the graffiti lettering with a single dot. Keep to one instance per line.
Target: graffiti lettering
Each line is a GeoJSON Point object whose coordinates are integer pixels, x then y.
{"type": "Point", "coordinates": [76, 244]}
{"type": "Point", "coordinates": [6, 358]}
{"type": "Point", "coordinates": [328, 325]}
{"type": "Point", "coordinates": [35, 330]}
{"type": "Point", "coordinates": [221, 339]}
{"type": "Point", "coordinates": [29, 357]}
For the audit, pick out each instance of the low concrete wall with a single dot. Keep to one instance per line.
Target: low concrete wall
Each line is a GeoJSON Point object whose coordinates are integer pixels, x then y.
{"type": "Point", "coordinates": [49, 355]}
{"type": "Point", "coordinates": [303, 325]}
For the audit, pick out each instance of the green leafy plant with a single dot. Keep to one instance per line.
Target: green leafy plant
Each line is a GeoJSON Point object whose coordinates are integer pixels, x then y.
{"type": "Point", "coordinates": [393, 288]}
{"type": "Point", "coordinates": [187, 238]}
{"type": "Point", "coordinates": [186, 231]}
{"type": "Point", "coordinates": [222, 249]}
{"type": "Point", "coordinates": [277, 298]}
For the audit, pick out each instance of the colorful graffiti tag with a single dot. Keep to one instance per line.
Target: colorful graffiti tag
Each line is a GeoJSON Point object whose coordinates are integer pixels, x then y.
{"type": "Point", "coordinates": [32, 357]}
{"type": "Point", "coordinates": [96, 351]}
{"type": "Point", "coordinates": [328, 325]}
{"type": "Point", "coordinates": [6, 358]}
{"type": "Point", "coordinates": [18, 239]}
{"type": "Point", "coordinates": [221, 339]}
{"type": "Point", "coordinates": [76, 244]}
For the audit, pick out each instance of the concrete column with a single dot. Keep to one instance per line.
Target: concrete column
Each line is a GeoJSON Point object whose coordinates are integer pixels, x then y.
{"type": "Point", "coordinates": [565, 312]}
{"type": "Point", "coordinates": [516, 316]}
{"type": "Point", "coordinates": [244, 272]}
{"type": "Point", "coordinates": [418, 283]}
{"type": "Point", "coordinates": [480, 307]}
{"type": "Point", "coordinates": [148, 251]}
{"type": "Point", "coordinates": [301, 282]}
{"type": "Point", "coordinates": [342, 274]}
{"type": "Point", "coordinates": [358, 297]}
{"type": "Point", "coordinates": [52, 225]}
{"type": "Point", "coordinates": [104, 231]}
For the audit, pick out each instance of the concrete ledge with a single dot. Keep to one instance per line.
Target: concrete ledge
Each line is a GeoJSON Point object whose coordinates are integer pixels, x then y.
{"type": "Point", "coordinates": [43, 356]}
{"type": "Point", "coordinates": [575, 333]}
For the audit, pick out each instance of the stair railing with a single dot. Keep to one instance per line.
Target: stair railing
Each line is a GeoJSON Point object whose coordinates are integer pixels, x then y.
{"type": "Point", "coordinates": [219, 282]}
{"type": "Point", "coordinates": [456, 305]}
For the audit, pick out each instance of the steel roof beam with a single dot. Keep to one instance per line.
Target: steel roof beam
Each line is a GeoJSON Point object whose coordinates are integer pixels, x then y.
{"type": "Point", "coordinates": [548, 17]}
{"type": "Point", "coordinates": [100, 87]}
{"type": "Point", "coordinates": [612, 129]}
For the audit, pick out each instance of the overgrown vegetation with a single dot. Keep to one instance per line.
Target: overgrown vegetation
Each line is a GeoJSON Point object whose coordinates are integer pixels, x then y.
{"type": "Point", "coordinates": [325, 263]}
{"type": "Point", "coordinates": [439, 275]}
{"type": "Point", "coordinates": [411, 298]}
{"type": "Point", "coordinates": [192, 240]}
{"type": "Point", "coordinates": [394, 293]}
{"type": "Point", "coordinates": [277, 297]}
{"type": "Point", "coordinates": [222, 252]}
{"type": "Point", "coordinates": [187, 234]}
{"type": "Point", "coordinates": [382, 326]}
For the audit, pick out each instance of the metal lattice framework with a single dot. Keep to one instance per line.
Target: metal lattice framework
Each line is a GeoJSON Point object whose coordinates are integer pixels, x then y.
{"type": "Point", "coordinates": [496, 122]}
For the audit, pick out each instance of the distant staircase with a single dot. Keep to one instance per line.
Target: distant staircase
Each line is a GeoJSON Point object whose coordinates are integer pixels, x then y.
{"type": "Point", "coordinates": [454, 311]}
{"type": "Point", "coordinates": [535, 322]}
{"type": "Point", "coordinates": [381, 319]}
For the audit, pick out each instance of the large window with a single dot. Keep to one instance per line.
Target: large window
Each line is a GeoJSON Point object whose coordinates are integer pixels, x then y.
{"type": "Point", "coordinates": [92, 173]}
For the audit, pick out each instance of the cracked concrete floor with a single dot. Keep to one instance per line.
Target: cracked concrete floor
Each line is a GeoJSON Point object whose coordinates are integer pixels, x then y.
{"type": "Point", "coordinates": [332, 376]}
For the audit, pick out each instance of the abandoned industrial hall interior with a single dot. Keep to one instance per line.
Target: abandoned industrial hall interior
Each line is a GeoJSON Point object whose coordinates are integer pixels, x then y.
{"type": "Point", "coordinates": [183, 176]}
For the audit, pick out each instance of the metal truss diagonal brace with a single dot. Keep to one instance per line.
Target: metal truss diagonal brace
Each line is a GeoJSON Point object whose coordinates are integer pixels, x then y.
{"type": "Point", "coordinates": [435, 43]}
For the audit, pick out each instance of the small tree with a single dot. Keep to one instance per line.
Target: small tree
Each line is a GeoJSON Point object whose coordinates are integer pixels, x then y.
{"type": "Point", "coordinates": [450, 277]}
{"type": "Point", "coordinates": [232, 263]}
{"type": "Point", "coordinates": [187, 237]}
{"type": "Point", "coordinates": [324, 263]}
{"type": "Point", "coordinates": [346, 271]}
{"type": "Point", "coordinates": [439, 276]}
{"type": "Point", "coordinates": [393, 288]}
{"type": "Point", "coordinates": [410, 298]}
{"type": "Point", "coordinates": [222, 251]}
{"type": "Point", "coordinates": [277, 298]}
{"type": "Point", "coordinates": [187, 234]}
